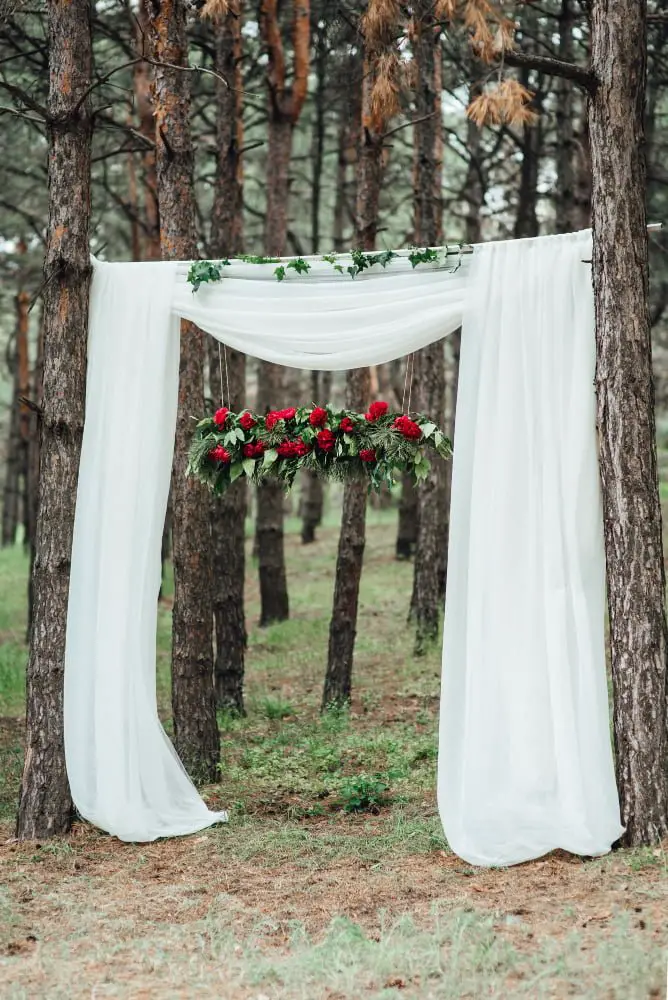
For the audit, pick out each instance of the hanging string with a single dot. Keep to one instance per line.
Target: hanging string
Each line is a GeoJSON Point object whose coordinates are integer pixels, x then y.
{"type": "Point", "coordinates": [227, 377]}
{"type": "Point", "coordinates": [409, 366]}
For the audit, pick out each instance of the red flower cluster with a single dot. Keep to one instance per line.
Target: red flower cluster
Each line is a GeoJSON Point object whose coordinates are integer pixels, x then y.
{"type": "Point", "coordinates": [254, 450]}
{"type": "Point", "coordinates": [368, 454]}
{"type": "Point", "coordinates": [246, 420]}
{"type": "Point", "coordinates": [407, 427]}
{"type": "Point", "coordinates": [376, 410]}
{"type": "Point", "coordinates": [326, 440]}
{"type": "Point", "coordinates": [293, 449]}
{"type": "Point", "coordinates": [220, 416]}
{"type": "Point", "coordinates": [346, 425]}
{"type": "Point", "coordinates": [220, 454]}
{"type": "Point", "coordinates": [276, 415]}
{"type": "Point", "coordinates": [318, 417]}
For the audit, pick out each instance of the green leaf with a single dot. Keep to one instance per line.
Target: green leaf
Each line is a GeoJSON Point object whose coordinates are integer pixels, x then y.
{"type": "Point", "coordinates": [299, 265]}
{"type": "Point", "coordinates": [230, 438]}
{"type": "Point", "coordinates": [279, 272]}
{"type": "Point", "coordinates": [428, 429]}
{"type": "Point", "coordinates": [239, 433]}
{"type": "Point", "coordinates": [269, 458]}
{"type": "Point", "coordinates": [236, 470]}
{"type": "Point", "coordinates": [249, 466]}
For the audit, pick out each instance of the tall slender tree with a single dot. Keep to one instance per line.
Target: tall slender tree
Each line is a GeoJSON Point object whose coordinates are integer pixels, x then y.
{"type": "Point", "coordinates": [626, 424]}
{"type": "Point", "coordinates": [193, 702]}
{"type": "Point", "coordinates": [285, 105]}
{"type": "Point", "coordinates": [45, 806]}
{"type": "Point", "coordinates": [227, 367]}
{"type": "Point", "coordinates": [430, 361]}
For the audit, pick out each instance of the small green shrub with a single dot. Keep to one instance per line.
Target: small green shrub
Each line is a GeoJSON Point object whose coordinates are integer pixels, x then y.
{"type": "Point", "coordinates": [364, 793]}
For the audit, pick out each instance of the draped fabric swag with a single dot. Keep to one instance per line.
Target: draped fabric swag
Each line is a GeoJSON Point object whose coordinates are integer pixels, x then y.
{"type": "Point", "coordinates": [525, 763]}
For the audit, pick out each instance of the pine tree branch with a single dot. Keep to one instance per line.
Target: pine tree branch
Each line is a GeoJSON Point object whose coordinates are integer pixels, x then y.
{"type": "Point", "coordinates": [583, 77]}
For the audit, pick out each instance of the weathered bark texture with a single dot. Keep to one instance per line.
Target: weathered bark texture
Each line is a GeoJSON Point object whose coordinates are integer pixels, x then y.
{"type": "Point", "coordinates": [45, 806]}
{"type": "Point", "coordinates": [428, 395]}
{"type": "Point", "coordinates": [285, 106]}
{"type": "Point", "coordinates": [33, 467]}
{"type": "Point", "coordinates": [193, 702]}
{"type": "Point", "coordinates": [627, 440]}
{"type": "Point", "coordinates": [228, 371]}
{"type": "Point", "coordinates": [143, 77]}
{"type": "Point", "coordinates": [565, 151]}
{"type": "Point", "coordinates": [350, 557]}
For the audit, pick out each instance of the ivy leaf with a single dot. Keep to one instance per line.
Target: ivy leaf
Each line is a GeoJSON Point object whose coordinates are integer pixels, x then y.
{"type": "Point", "coordinates": [269, 458]}
{"type": "Point", "coordinates": [236, 470]}
{"type": "Point", "coordinates": [300, 265]}
{"type": "Point", "coordinates": [279, 272]}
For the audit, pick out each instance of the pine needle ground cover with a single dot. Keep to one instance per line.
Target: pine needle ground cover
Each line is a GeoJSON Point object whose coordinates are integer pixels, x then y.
{"type": "Point", "coordinates": [332, 880]}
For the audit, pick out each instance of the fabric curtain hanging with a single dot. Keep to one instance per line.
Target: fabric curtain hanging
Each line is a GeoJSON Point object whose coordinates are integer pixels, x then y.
{"type": "Point", "coordinates": [547, 661]}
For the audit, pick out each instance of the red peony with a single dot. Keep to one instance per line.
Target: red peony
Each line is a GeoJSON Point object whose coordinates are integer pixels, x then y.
{"type": "Point", "coordinates": [293, 449]}
{"type": "Point", "coordinates": [407, 427]}
{"type": "Point", "coordinates": [220, 454]}
{"type": "Point", "coordinates": [346, 425]}
{"type": "Point", "coordinates": [274, 416]}
{"type": "Point", "coordinates": [254, 450]}
{"type": "Point", "coordinates": [247, 420]}
{"type": "Point", "coordinates": [376, 410]}
{"type": "Point", "coordinates": [326, 440]}
{"type": "Point", "coordinates": [220, 416]}
{"type": "Point", "coordinates": [368, 455]}
{"type": "Point", "coordinates": [318, 417]}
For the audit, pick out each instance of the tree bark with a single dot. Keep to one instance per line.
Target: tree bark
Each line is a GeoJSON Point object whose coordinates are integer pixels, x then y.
{"type": "Point", "coordinates": [407, 530]}
{"type": "Point", "coordinates": [228, 371]}
{"type": "Point", "coordinates": [285, 106]}
{"type": "Point", "coordinates": [11, 490]}
{"type": "Point", "coordinates": [45, 806]}
{"type": "Point", "coordinates": [143, 76]}
{"type": "Point", "coordinates": [193, 702]}
{"type": "Point", "coordinates": [626, 426]}
{"type": "Point", "coordinates": [350, 557]}
{"type": "Point", "coordinates": [313, 494]}
{"type": "Point", "coordinates": [429, 375]}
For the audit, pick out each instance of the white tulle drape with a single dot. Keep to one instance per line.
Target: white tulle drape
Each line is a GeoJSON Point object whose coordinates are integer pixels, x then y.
{"type": "Point", "coordinates": [525, 762]}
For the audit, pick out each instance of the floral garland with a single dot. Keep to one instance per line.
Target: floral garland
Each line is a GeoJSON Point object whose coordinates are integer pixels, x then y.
{"type": "Point", "coordinates": [337, 444]}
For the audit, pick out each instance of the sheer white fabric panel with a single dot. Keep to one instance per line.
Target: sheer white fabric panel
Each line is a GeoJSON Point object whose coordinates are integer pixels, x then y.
{"type": "Point", "coordinates": [124, 773]}
{"type": "Point", "coordinates": [525, 761]}
{"type": "Point", "coordinates": [326, 320]}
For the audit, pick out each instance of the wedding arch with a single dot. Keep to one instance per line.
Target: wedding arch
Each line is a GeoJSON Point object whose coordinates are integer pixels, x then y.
{"type": "Point", "coordinates": [525, 761]}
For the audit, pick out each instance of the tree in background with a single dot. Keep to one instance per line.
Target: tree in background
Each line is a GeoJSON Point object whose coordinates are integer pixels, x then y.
{"type": "Point", "coordinates": [284, 108]}
{"type": "Point", "coordinates": [432, 534]}
{"type": "Point", "coordinates": [45, 806]}
{"type": "Point", "coordinates": [228, 368]}
{"type": "Point", "coordinates": [193, 702]}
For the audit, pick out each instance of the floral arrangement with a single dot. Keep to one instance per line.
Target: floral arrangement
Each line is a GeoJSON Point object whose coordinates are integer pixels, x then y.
{"type": "Point", "coordinates": [336, 444]}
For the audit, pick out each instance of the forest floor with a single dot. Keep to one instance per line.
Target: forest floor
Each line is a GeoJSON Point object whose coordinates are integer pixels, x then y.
{"type": "Point", "coordinates": [299, 897]}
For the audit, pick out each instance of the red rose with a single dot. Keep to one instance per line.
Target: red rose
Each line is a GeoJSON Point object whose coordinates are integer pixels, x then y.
{"type": "Point", "coordinates": [254, 450]}
{"type": "Point", "coordinates": [318, 417]}
{"type": "Point", "coordinates": [220, 454]}
{"type": "Point", "coordinates": [220, 416]}
{"type": "Point", "coordinates": [368, 455]}
{"type": "Point", "coordinates": [326, 440]}
{"type": "Point", "coordinates": [301, 448]}
{"type": "Point", "coordinates": [293, 449]}
{"type": "Point", "coordinates": [407, 427]}
{"type": "Point", "coordinates": [246, 420]}
{"type": "Point", "coordinates": [377, 410]}
{"type": "Point", "coordinates": [346, 425]}
{"type": "Point", "coordinates": [274, 416]}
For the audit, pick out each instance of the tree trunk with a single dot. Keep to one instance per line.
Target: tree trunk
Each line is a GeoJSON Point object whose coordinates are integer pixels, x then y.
{"type": "Point", "coordinates": [143, 75]}
{"type": "Point", "coordinates": [193, 703]}
{"type": "Point", "coordinates": [45, 807]}
{"type": "Point", "coordinates": [313, 493]}
{"type": "Point", "coordinates": [429, 376]}
{"type": "Point", "coordinates": [33, 467]}
{"type": "Point", "coordinates": [343, 624]}
{"type": "Point", "coordinates": [228, 372]}
{"type": "Point", "coordinates": [270, 547]}
{"type": "Point", "coordinates": [565, 211]}
{"type": "Point", "coordinates": [627, 440]}
{"type": "Point", "coordinates": [407, 530]}
{"type": "Point", "coordinates": [11, 490]}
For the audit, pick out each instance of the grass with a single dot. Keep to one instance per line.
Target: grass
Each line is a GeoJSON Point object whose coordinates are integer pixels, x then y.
{"type": "Point", "coordinates": [332, 880]}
